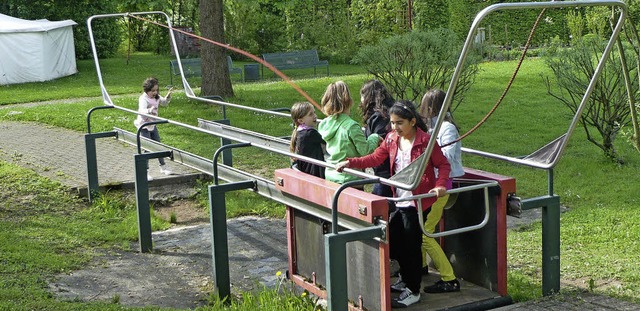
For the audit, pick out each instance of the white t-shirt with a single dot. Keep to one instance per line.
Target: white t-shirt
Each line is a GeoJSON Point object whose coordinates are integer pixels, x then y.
{"type": "Point", "coordinates": [402, 160]}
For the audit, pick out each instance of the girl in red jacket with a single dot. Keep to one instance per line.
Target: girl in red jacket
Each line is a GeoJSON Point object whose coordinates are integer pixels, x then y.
{"type": "Point", "coordinates": [406, 142]}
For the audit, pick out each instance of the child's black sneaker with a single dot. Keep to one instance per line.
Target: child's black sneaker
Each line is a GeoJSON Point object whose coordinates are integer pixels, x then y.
{"type": "Point", "coordinates": [443, 287]}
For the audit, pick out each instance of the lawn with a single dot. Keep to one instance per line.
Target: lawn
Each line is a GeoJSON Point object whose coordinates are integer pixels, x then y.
{"type": "Point", "coordinates": [599, 231]}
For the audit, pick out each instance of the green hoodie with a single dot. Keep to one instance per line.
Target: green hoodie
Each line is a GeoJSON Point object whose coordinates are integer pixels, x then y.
{"type": "Point", "coordinates": [345, 139]}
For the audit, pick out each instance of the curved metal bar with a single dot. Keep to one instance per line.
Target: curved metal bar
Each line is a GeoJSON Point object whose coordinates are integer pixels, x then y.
{"type": "Point", "coordinates": [217, 154]}
{"type": "Point", "coordinates": [334, 202]}
{"type": "Point", "coordinates": [140, 129]}
{"type": "Point", "coordinates": [485, 184]}
{"type": "Point", "coordinates": [533, 5]}
{"type": "Point", "coordinates": [105, 95]}
{"type": "Point", "coordinates": [89, 115]}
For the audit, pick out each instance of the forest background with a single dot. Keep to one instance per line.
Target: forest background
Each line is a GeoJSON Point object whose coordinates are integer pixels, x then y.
{"type": "Point", "coordinates": [264, 26]}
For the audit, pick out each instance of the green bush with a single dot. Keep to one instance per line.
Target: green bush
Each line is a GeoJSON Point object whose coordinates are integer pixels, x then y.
{"type": "Point", "coordinates": [414, 62]}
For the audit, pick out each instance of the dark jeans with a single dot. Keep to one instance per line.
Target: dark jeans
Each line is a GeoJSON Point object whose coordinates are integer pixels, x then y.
{"type": "Point", "coordinates": [405, 244]}
{"type": "Point", "coordinates": [153, 135]}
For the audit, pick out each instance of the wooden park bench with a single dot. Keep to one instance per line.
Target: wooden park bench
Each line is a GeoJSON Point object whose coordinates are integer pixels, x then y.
{"type": "Point", "coordinates": [295, 60]}
{"type": "Point", "coordinates": [193, 68]}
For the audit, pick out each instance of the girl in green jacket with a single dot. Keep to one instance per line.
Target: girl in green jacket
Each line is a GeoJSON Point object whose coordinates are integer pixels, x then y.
{"type": "Point", "coordinates": [343, 135]}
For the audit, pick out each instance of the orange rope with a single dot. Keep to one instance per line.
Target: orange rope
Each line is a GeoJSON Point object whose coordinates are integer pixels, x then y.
{"type": "Point", "coordinates": [506, 90]}
{"type": "Point", "coordinates": [245, 53]}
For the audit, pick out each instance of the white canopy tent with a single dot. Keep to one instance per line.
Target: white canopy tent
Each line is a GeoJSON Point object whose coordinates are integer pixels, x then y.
{"type": "Point", "coordinates": [34, 51]}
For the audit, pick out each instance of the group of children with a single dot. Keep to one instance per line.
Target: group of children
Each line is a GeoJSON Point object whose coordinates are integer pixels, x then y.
{"type": "Point", "coordinates": [394, 135]}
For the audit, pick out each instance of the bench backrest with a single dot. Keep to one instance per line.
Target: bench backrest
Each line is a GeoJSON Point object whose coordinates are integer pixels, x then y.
{"type": "Point", "coordinates": [191, 66]}
{"type": "Point", "coordinates": [292, 58]}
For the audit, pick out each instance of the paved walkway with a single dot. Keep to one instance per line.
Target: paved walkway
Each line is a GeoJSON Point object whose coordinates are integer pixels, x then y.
{"type": "Point", "coordinates": [257, 245]}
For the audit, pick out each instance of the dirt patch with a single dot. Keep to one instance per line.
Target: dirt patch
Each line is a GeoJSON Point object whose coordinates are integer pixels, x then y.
{"type": "Point", "coordinates": [185, 212]}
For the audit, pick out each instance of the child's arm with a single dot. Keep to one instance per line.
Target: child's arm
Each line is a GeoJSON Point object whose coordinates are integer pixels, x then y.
{"type": "Point", "coordinates": [164, 101]}
{"type": "Point", "coordinates": [363, 145]}
{"type": "Point", "coordinates": [376, 158]}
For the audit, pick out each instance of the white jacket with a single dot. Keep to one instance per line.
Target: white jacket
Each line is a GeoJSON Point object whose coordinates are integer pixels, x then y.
{"type": "Point", "coordinates": [448, 133]}
{"type": "Point", "coordinates": [148, 105]}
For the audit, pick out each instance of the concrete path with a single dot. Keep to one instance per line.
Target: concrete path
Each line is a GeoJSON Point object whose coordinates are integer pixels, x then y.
{"type": "Point", "coordinates": [178, 272]}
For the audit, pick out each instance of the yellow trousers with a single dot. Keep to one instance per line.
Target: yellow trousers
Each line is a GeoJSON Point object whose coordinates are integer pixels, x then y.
{"type": "Point", "coordinates": [431, 247]}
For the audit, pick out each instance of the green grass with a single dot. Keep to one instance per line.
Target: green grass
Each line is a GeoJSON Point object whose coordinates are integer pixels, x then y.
{"type": "Point", "coordinates": [599, 232]}
{"type": "Point", "coordinates": [45, 231]}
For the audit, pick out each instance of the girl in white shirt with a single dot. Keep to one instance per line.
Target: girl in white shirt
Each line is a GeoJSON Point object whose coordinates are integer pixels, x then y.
{"type": "Point", "coordinates": [148, 103]}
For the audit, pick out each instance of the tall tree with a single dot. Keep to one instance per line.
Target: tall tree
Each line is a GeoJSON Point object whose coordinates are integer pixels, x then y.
{"type": "Point", "coordinates": [215, 73]}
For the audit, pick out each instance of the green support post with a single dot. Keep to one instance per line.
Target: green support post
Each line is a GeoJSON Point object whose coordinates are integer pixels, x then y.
{"type": "Point", "coordinates": [142, 197]}
{"type": "Point", "coordinates": [227, 155]}
{"type": "Point", "coordinates": [219, 242]}
{"type": "Point", "coordinates": [93, 186]}
{"type": "Point", "coordinates": [335, 250]}
{"type": "Point", "coordinates": [551, 247]}
{"type": "Point", "coordinates": [550, 240]}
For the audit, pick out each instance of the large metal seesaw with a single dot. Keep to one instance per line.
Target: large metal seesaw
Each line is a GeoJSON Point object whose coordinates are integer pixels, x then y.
{"type": "Point", "coordinates": [313, 206]}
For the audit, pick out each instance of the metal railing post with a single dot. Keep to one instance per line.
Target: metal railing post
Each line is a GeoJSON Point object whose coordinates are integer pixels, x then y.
{"type": "Point", "coordinates": [550, 240]}
{"type": "Point", "coordinates": [89, 115]}
{"type": "Point", "coordinates": [93, 185]}
{"type": "Point", "coordinates": [227, 155]}
{"type": "Point", "coordinates": [142, 197]}
{"type": "Point", "coordinates": [219, 243]}
{"type": "Point", "coordinates": [335, 249]}
{"type": "Point", "coordinates": [222, 150]}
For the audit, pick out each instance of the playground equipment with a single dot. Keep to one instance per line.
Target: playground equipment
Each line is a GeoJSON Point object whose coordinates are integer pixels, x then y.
{"type": "Point", "coordinates": [337, 234]}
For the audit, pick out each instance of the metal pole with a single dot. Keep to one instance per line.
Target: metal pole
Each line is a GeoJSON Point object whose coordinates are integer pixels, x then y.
{"type": "Point", "coordinates": [219, 243]}
{"type": "Point", "coordinates": [89, 115]}
{"type": "Point", "coordinates": [335, 249]}
{"type": "Point", "coordinates": [334, 202]}
{"type": "Point", "coordinates": [551, 247]}
{"type": "Point", "coordinates": [93, 186]}
{"type": "Point", "coordinates": [142, 197]}
{"type": "Point", "coordinates": [217, 154]}
{"type": "Point", "coordinates": [142, 127]}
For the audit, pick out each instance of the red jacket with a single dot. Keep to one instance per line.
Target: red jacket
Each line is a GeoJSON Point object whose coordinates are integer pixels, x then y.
{"type": "Point", "coordinates": [389, 149]}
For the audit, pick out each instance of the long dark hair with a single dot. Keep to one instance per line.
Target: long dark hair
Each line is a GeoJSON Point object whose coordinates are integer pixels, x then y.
{"type": "Point", "coordinates": [406, 110]}
{"type": "Point", "coordinates": [148, 85]}
{"type": "Point", "coordinates": [375, 98]}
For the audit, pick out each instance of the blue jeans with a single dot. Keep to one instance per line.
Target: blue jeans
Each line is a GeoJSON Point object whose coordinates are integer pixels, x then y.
{"type": "Point", "coordinates": [153, 135]}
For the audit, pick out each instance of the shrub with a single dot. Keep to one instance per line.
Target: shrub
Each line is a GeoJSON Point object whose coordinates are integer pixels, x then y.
{"type": "Point", "coordinates": [414, 62]}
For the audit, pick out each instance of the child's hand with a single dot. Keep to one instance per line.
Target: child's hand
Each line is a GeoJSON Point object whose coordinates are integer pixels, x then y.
{"type": "Point", "coordinates": [342, 165]}
{"type": "Point", "coordinates": [439, 191]}
{"type": "Point", "coordinates": [169, 92]}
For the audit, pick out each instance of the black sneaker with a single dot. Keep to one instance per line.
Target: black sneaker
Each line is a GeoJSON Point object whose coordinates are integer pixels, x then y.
{"type": "Point", "coordinates": [443, 287]}
{"type": "Point", "coordinates": [406, 298]}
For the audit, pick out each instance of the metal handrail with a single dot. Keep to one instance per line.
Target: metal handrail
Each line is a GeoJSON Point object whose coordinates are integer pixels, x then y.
{"type": "Point", "coordinates": [485, 184]}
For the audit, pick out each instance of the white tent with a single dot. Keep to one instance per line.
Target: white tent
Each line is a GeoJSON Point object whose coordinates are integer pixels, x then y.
{"type": "Point", "coordinates": [32, 51]}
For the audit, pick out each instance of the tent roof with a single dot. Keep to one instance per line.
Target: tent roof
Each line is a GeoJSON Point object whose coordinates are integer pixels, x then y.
{"type": "Point", "coordinates": [10, 24]}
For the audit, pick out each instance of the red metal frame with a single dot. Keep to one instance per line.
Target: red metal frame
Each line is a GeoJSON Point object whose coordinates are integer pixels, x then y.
{"type": "Point", "coordinates": [507, 185]}
{"type": "Point", "coordinates": [320, 191]}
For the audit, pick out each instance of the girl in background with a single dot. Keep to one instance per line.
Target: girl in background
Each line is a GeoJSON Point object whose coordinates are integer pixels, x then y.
{"type": "Point", "coordinates": [402, 146]}
{"type": "Point", "coordinates": [343, 135]}
{"type": "Point", "coordinates": [305, 139]}
{"type": "Point", "coordinates": [148, 103]}
{"type": "Point", "coordinates": [429, 109]}
{"type": "Point", "coordinates": [375, 102]}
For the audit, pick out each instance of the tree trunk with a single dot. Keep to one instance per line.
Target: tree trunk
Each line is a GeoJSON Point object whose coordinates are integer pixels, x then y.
{"type": "Point", "coordinates": [215, 74]}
